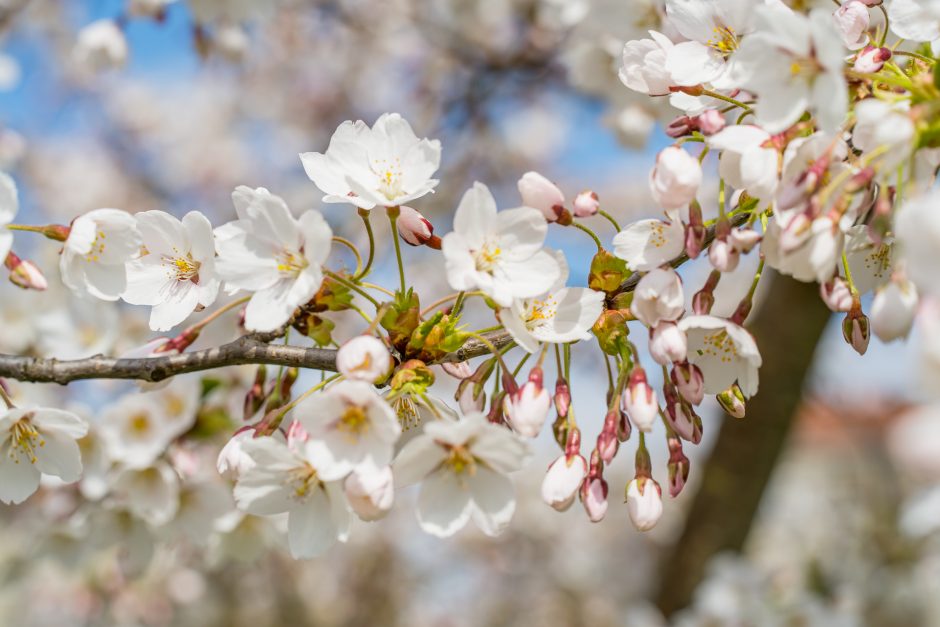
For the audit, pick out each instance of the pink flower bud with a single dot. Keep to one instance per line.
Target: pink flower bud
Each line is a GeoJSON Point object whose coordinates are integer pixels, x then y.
{"type": "Point", "coordinates": [675, 178]}
{"type": "Point", "coordinates": [527, 409]}
{"type": "Point", "coordinates": [723, 255]}
{"type": "Point", "coordinates": [470, 396]}
{"type": "Point", "coordinates": [732, 401]}
{"type": "Point", "coordinates": [695, 232]}
{"type": "Point", "coordinates": [639, 401]}
{"type": "Point", "coordinates": [563, 480]}
{"type": "Point", "coordinates": [415, 229]}
{"type": "Point", "coordinates": [836, 294]}
{"type": "Point", "coordinates": [624, 428]}
{"type": "Point", "coordinates": [364, 358]}
{"type": "Point", "coordinates": [871, 60]}
{"type": "Point", "coordinates": [744, 240]}
{"type": "Point", "coordinates": [690, 382]}
{"type": "Point", "coordinates": [681, 417]}
{"type": "Point", "coordinates": [710, 121]}
{"type": "Point", "coordinates": [668, 343]}
{"type": "Point", "coordinates": [562, 397]}
{"type": "Point", "coordinates": [370, 494]}
{"type": "Point", "coordinates": [25, 274]}
{"type": "Point", "coordinates": [586, 204]}
{"type": "Point", "coordinates": [856, 330]}
{"type": "Point", "coordinates": [644, 503]}
{"type": "Point", "coordinates": [678, 467]}
{"type": "Point", "coordinates": [607, 442]}
{"type": "Point", "coordinates": [457, 369]}
{"type": "Point", "coordinates": [680, 126]}
{"type": "Point", "coordinates": [540, 193]}
{"type": "Point", "coordinates": [594, 498]}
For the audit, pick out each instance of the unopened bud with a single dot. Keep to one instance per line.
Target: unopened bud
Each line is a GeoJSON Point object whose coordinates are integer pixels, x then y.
{"type": "Point", "coordinates": [562, 397]}
{"type": "Point", "coordinates": [856, 330]}
{"type": "Point", "coordinates": [25, 274]}
{"type": "Point", "coordinates": [644, 503]}
{"type": "Point", "coordinates": [668, 343]}
{"type": "Point", "coordinates": [690, 382]}
{"type": "Point", "coordinates": [594, 498]}
{"type": "Point", "coordinates": [704, 299]}
{"type": "Point", "coordinates": [457, 369]}
{"type": "Point", "coordinates": [586, 204]}
{"type": "Point", "coordinates": [639, 401]}
{"type": "Point", "coordinates": [563, 480]}
{"type": "Point", "coordinates": [723, 256]}
{"type": "Point", "coordinates": [680, 126]}
{"type": "Point", "coordinates": [540, 193]}
{"type": "Point", "coordinates": [732, 401]}
{"type": "Point", "coordinates": [678, 467]}
{"type": "Point", "coordinates": [871, 59]}
{"type": "Point", "coordinates": [607, 442]}
{"type": "Point", "coordinates": [470, 396]}
{"type": "Point", "coordinates": [415, 229]}
{"type": "Point", "coordinates": [527, 409]}
{"type": "Point", "coordinates": [680, 415]}
{"type": "Point", "coordinates": [370, 493]}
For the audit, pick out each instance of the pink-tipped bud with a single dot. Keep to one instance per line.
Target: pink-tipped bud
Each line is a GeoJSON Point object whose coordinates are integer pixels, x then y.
{"type": "Point", "coordinates": [836, 294]}
{"type": "Point", "coordinates": [723, 256]}
{"type": "Point", "coordinates": [586, 204]}
{"type": "Point", "coordinates": [871, 60]}
{"type": "Point", "coordinates": [624, 427]}
{"type": "Point", "coordinates": [678, 467]}
{"type": "Point", "coordinates": [668, 343]}
{"type": "Point", "coordinates": [744, 240]}
{"type": "Point", "coordinates": [470, 396]}
{"type": "Point", "coordinates": [415, 229]}
{"type": "Point", "coordinates": [25, 274]}
{"type": "Point", "coordinates": [710, 121]}
{"type": "Point", "coordinates": [681, 126]}
{"type": "Point", "coordinates": [680, 415]}
{"type": "Point", "coordinates": [594, 498]}
{"type": "Point", "coordinates": [639, 401]}
{"type": "Point", "coordinates": [527, 409]}
{"type": "Point", "coordinates": [732, 401]}
{"type": "Point", "coordinates": [607, 441]}
{"type": "Point", "coordinates": [644, 503]}
{"type": "Point", "coordinates": [856, 330]}
{"type": "Point", "coordinates": [562, 397]}
{"type": "Point", "coordinates": [540, 193]}
{"type": "Point", "coordinates": [690, 382]}
{"type": "Point", "coordinates": [563, 480]}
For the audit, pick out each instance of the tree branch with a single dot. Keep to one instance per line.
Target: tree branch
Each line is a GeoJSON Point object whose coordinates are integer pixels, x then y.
{"type": "Point", "coordinates": [250, 349]}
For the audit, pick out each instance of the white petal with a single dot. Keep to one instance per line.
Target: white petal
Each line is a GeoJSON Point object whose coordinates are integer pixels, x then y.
{"type": "Point", "coordinates": [493, 499]}
{"type": "Point", "coordinates": [310, 527]}
{"type": "Point", "coordinates": [444, 504]}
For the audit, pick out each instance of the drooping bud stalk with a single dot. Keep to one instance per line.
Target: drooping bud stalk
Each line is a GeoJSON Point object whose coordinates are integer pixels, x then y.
{"type": "Point", "coordinates": [732, 401]}
{"type": "Point", "coordinates": [855, 328]}
{"type": "Point", "coordinates": [416, 230]}
{"type": "Point", "coordinates": [639, 401]}
{"type": "Point", "coordinates": [704, 299]}
{"type": "Point", "coordinates": [689, 380]}
{"type": "Point", "coordinates": [678, 466]}
{"type": "Point", "coordinates": [836, 294]}
{"type": "Point", "coordinates": [695, 231]}
{"type": "Point", "coordinates": [25, 274]}
{"type": "Point", "coordinates": [562, 397]}
{"type": "Point", "coordinates": [586, 204]}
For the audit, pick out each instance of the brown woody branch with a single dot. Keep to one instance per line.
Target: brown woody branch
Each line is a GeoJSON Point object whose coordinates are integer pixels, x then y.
{"type": "Point", "coordinates": [250, 349]}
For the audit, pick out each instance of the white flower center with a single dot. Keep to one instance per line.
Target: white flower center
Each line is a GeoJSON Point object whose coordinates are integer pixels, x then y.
{"type": "Point", "coordinates": [723, 40]}
{"type": "Point", "coordinates": [291, 263]}
{"type": "Point", "coordinates": [487, 257]}
{"type": "Point", "coordinates": [353, 423]}
{"type": "Point", "coordinates": [24, 440]}
{"type": "Point", "coordinates": [459, 460]}
{"type": "Point", "coordinates": [390, 177]}
{"type": "Point", "coordinates": [540, 312]}
{"type": "Point", "coordinates": [719, 345]}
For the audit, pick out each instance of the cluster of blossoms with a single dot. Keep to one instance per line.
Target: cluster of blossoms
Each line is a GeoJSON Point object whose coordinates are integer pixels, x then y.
{"type": "Point", "coordinates": [826, 149]}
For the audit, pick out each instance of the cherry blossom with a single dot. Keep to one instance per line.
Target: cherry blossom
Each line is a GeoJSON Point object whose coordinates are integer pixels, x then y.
{"type": "Point", "coordinates": [724, 352]}
{"type": "Point", "coordinates": [94, 256]}
{"type": "Point", "coordinates": [647, 244]}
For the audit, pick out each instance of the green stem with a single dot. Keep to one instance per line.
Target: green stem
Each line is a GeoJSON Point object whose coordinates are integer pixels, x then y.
{"type": "Point", "coordinates": [351, 286]}
{"type": "Point", "coordinates": [884, 34]}
{"type": "Point", "coordinates": [458, 304]}
{"type": "Point", "coordinates": [848, 274]}
{"type": "Point", "coordinates": [609, 219]}
{"type": "Point", "coordinates": [728, 99]}
{"type": "Point", "coordinates": [597, 240]}
{"type": "Point", "coordinates": [914, 55]}
{"type": "Point", "coordinates": [364, 214]}
{"type": "Point", "coordinates": [393, 220]}
{"type": "Point", "coordinates": [345, 242]}
{"type": "Point", "coordinates": [292, 404]}
{"type": "Point", "coordinates": [521, 363]}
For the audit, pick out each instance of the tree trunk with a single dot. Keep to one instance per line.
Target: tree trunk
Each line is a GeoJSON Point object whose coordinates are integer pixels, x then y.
{"type": "Point", "coordinates": [741, 463]}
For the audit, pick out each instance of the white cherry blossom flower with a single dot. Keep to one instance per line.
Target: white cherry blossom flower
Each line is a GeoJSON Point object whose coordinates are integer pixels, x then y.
{"type": "Point", "coordinates": [281, 480]}
{"type": "Point", "coordinates": [36, 442]}
{"type": "Point", "coordinates": [714, 29]}
{"type": "Point", "coordinates": [871, 263]}
{"type": "Point", "coordinates": [101, 46]}
{"type": "Point", "coordinates": [747, 162]}
{"type": "Point", "coordinates": [176, 272]}
{"type": "Point", "coordinates": [793, 63]}
{"type": "Point", "coordinates": [9, 205]}
{"type": "Point", "coordinates": [675, 178]}
{"type": "Point", "coordinates": [95, 254]}
{"type": "Point", "coordinates": [135, 430]}
{"type": "Point", "coordinates": [499, 253]}
{"type": "Point", "coordinates": [563, 314]}
{"type": "Point", "coordinates": [852, 21]}
{"type": "Point", "coordinates": [349, 427]}
{"type": "Point", "coordinates": [643, 65]}
{"type": "Point", "coordinates": [151, 493]}
{"type": "Point", "coordinates": [657, 297]}
{"type": "Point", "coordinates": [916, 20]}
{"type": "Point", "coordinates": [269, 252]}
{"type": "Point", "coordinates": [648, 244]}
{"type": "Point", "coordinates": [725, 352]}
{"type": "Point", "coordinates": [233, 461]}
{"type": "Point", "coordinates": [386, 165]}
{"type": "Point", "coordinates": [817, 256]}
{"type": "Point", "coordinates": [462, 466]}
{"type": "Point", "coordinates": [886, 126]}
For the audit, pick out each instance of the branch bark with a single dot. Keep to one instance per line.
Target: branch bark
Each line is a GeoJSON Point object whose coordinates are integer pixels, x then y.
{"type": "Point", "coordinates": [250, 349]}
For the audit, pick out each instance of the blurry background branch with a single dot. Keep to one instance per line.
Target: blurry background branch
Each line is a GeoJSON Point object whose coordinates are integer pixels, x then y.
{"type": "Point", "coordinates": [746, 452]}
